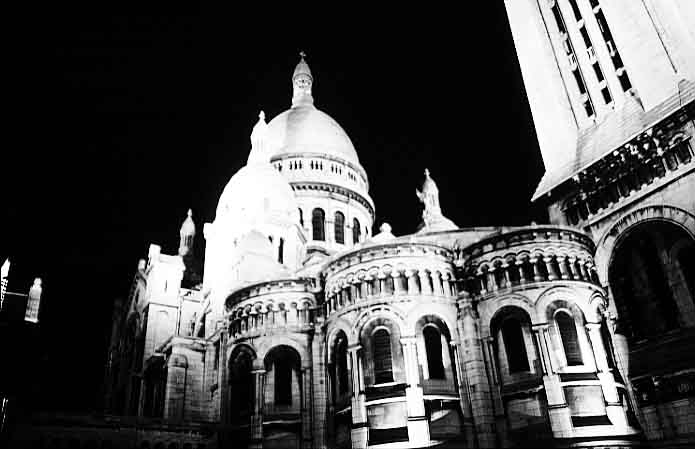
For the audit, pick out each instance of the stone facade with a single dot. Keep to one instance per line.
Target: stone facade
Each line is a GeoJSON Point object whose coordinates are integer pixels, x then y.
{"type": "Point", "coordinates": [307, 331]}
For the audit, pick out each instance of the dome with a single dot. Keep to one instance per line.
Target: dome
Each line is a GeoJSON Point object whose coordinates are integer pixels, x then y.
{"type": "Point", "coordinates": [305, 129]}
{"type": "Point", "coordinates": [258, 192]}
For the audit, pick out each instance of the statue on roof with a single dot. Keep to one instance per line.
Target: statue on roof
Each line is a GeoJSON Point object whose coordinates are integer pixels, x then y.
{"type": "Point", "coordinates": [432, 217]}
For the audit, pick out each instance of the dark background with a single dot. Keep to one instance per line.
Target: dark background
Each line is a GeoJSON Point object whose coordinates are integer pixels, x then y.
{"type": "Point", "coordinates": [122, 117]}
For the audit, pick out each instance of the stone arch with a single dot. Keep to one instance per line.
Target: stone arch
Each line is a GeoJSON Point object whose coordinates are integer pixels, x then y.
{"type": "Point", "coordinates": [583, 355]}
{"type": "Point", "coordinates": [610, 239]}
{"type": "Point", "coordinates": [433, 339]}
{"type": "Point", "coordinates": [341, 324]}
{"type": "Point", "coordinates": [575, 297]}
{"type": "Point", "coordinates": [390, 367]}
{"type": "Point", "coordinates": [376, 312]}
{"type": "Point", "coordinates": [446, 313]}
{"type": "Point", "coordinates": [489, 309]}
{"type": "Point", "coordinates": [512, 338]}
{"type": "Point", "coordinates": [265, 345]}
{"type": "Point", "coordinates": [598, 304]}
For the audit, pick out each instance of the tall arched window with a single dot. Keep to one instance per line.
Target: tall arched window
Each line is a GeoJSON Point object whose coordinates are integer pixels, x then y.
{"type": "Point", "coordinates": [570, 340]}
{"type": "Point", "coordinates": [433, 347]}
{"type": "Point", "coordinates": [514, 346]}
{"type": "Point", "coordinates": [355, 230]}
{"type": "Point", "coordinates": [283, 382]}
{"type": "Point", "coordinates": [281, 250]}
{"type": "Point", "coordinates": [341, 365]}
{"type": "Point", "coordinates": [339, 225]}
{"type": "Point", "coordinates": [383, 362]}
{"type": "Point", "coordinates": [318, 224]}
{"type": "Point", "coordinates": [301, 217]}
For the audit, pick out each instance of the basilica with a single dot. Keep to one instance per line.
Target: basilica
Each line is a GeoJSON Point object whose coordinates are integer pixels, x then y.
{"type": "Point", "coordinates": [304, 328]}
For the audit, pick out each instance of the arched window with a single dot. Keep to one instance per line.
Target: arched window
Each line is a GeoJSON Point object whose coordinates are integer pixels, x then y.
{"type": "Point", "coordinates": [514, 346]}
{"type": "Point", "coordinates": [433, 347]}
{"type": "Point", "coordinates": [383, 362]}
{"type": "Point", "coordinates": [283, 382]}
{"type": "Point", "coordinates": [645, 282]}
{"type": "Point", "coordinates": [318, 223]}
{"type": "Point", "coordinates": [570, 340]}
{"type": "Point", "coordinates": [301, 217]}
{"type": "Point", "coordinates": [241, 386]}
{"type": "Point", "coordinates": [355, 231]}
{"type": "Point", "coordinates": [341, 365]}
{"type": "Point", "coordinates": [281, 250]}
{"type": "Point", "coordinates": [339, 225]}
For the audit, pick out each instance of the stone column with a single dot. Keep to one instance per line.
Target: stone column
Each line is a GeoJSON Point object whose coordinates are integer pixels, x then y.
{"type": "Point", "coordinates": [561, 262]}
{"type": "Point", "coordinates": [418, 427]}
{"type": "Point", "coordinates": [614, 408]}
{"type": "Point", "coordinates": [307, 406]}
{"type": "Point", "coordinates": [481, 278]}
{"type": "Point", "coordinates": [476, 377]}
{"type": "Point", "coordinates": [536, 271]}
{"type": "Point", "coordinates": [321, 389]}
{"type": "Point", "coordinates": [549, 266]}
{"type": "Point", "coordinates": [224, 383]}
{"type": "Point", "coordinates": [584, 271]}
{"type": "Point", "coordinates": [256, 440]}
{"type": "Point", "coordinates": [522, 276]}
{"type": "Point", "coordinates": [507, 277]}
{"type": "Point", "coordinates": [412, 285]}
{"type": "Point", "coordinates": [560, 419]}
{"type": "Point", "coordinates": [359, 409]}
{"type": "Point", "coordinates": [397, 287]}
{"type": "Point", "coordinates": [573, 268]}
{"type": "Point", "coordinates": [424, 282]}
{"type": "Point", "coordinates": [491, 280]}
{"type": "Point", "coordinates": [464, 398]}
{"type": "Point", "coordinates": [436, 283]}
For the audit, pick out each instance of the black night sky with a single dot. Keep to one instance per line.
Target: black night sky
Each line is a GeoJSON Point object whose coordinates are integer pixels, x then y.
{"type": "Point", "coordinates": [122, 117]}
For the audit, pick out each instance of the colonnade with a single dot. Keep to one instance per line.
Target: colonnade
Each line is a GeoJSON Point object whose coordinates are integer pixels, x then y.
{"type": "Point", "coordinates": [386, 284]}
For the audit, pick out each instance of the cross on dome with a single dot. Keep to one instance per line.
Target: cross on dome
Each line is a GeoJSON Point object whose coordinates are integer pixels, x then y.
{"type": "Point", "coordinates": [427, 172]}
{"type": "Point", "coordinates": [301, 83]}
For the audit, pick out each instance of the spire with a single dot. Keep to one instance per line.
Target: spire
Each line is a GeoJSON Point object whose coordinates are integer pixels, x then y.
{"type": "Point", "coordinates": [259, 145]}
{"type": "Point", "coordinates": [187, 234]}
{"type": "Point", "coordinates": [432, 217]}
{"type": "Point", "coordinates": [301, 83]}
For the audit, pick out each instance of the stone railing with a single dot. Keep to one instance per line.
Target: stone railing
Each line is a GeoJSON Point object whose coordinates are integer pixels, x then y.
{"type": "Point", "coordinates": [526, 256]}
{"type": "Point", "coordinates": [388, 271]}
{"type": "Point", "coordinates": [263, 307]}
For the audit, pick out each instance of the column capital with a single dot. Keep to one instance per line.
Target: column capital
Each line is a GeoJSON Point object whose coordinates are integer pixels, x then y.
{"type": "Point", "coordinates": [411, 339]}
{"type": "Point", "coordinates": [354, 347]}
{"type": "Point", "coordinates": [258, 371]}
{"type": "Point", "coordinates": [539, 326]}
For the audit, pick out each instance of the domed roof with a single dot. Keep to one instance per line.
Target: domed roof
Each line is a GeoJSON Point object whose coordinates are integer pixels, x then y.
{"type": "Point", "coordinates": [258, 192]}
{"type": "Point", "coordinates": [305, 129]}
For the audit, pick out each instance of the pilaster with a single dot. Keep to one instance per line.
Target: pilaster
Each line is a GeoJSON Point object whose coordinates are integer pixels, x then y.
{"type": "Point", "coordinates": [418, 427]}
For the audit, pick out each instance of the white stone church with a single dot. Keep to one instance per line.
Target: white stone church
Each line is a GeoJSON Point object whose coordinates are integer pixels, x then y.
{"type": "Point", "coordinates": [302, 329]}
